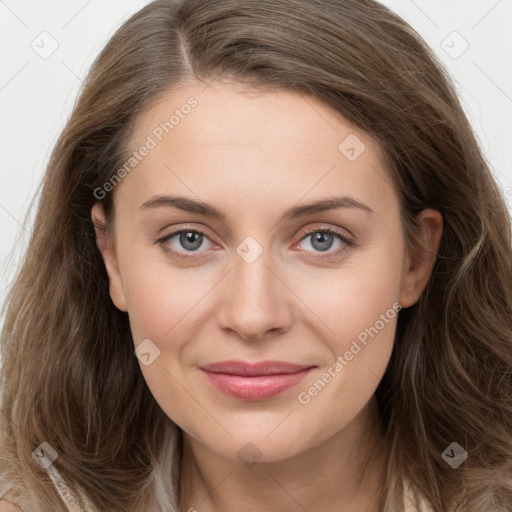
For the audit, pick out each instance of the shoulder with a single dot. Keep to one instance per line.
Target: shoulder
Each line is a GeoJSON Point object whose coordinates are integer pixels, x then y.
{"type": "Point", "coordinates": [6, 506]}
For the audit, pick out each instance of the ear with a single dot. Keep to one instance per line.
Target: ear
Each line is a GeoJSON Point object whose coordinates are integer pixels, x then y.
{"type": "Point", "coordinates": [106, 246]}
{"type": "Point", "coordinates": [420, 259]}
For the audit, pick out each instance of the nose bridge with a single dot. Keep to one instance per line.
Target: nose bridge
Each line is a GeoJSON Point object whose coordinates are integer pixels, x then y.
{"type": "Point", "coordinates": [256, 299]}
{"type": "Point", "coordinates": [251, 279]}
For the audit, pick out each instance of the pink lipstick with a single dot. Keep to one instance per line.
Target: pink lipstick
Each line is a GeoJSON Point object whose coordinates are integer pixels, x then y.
{"type": "Point", "coordinates": [255, 381]}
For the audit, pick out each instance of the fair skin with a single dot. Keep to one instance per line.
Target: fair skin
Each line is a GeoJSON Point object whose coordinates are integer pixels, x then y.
{"type": "Point", "coordinates": [254, 156]}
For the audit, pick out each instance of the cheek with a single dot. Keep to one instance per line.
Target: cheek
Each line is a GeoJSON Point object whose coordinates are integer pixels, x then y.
{"type": "Point", "coordinates": [353, 298]}
{"type": "Point", "coordinates": [358, 308]}
{"type": "Point", "coordinates": [367, 308]}
{"type": "Point", "coordinates": [160, 297]}
{"type": "Point", "coordinates": [164, 306]}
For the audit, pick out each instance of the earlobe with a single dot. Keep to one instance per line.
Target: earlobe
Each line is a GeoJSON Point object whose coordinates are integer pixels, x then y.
{"type": "Point", "coordinates": [108, 253]}
{"type": "Point", "coordinates": [420, 261]}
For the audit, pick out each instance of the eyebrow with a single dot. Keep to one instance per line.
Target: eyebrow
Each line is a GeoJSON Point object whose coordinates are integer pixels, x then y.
{"type": "Point", "coordinates": [191, 205]}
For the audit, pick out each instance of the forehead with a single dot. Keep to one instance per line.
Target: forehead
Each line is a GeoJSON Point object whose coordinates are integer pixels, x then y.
{"type": "Point", "coordinates": [221, 113]}
{"type": "Point", "coordinates": [220, 137]}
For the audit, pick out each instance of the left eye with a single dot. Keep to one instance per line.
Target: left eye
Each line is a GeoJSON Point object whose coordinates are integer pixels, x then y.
{"type": "Point", "coordinates": [321, 240]}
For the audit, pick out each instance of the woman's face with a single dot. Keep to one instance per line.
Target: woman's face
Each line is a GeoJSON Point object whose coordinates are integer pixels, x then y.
{"type": "Point", "coordinates": [262, 279]}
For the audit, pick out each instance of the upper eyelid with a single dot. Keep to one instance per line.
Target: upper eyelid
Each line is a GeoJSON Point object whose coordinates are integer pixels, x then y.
{"type": "Point", "coordinates": [331, 229]}
{"type": "Point", "coordinates": [174, 232]}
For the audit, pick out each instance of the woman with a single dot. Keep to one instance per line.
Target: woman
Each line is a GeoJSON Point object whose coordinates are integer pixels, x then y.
{"type": "Point", "coordinates": [268, 256]}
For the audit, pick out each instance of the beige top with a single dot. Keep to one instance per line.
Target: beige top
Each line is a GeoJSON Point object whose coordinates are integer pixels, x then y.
{"type": "Point", "coordinates": [414, 501]}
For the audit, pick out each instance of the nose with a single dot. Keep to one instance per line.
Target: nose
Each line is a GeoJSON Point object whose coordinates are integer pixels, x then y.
{"type": "Point", "coordinates": [256, 300]}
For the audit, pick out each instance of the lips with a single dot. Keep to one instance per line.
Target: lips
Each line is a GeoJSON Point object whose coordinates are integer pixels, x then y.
{"type": "Point", "coordinates": [255, 381]}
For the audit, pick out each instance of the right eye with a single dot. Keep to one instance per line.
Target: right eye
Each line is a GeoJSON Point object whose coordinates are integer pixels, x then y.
{"type": "Point", "coordinates": [184, 241]}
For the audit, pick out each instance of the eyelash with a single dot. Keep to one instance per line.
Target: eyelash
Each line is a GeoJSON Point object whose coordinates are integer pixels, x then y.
{"type": "Point", "coordinates": [348, 243]}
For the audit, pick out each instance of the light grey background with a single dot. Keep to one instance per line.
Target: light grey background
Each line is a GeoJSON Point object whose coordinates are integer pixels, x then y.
{"type": "Point", "coordinates": [38, 87]}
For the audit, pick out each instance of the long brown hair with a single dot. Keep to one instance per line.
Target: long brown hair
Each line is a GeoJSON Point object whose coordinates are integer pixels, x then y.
{"type": "Point", "coordinates": [69, 375]}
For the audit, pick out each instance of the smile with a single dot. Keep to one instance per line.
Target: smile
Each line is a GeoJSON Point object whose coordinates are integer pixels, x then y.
{"type": "Point", "coordinates": [246, 381]}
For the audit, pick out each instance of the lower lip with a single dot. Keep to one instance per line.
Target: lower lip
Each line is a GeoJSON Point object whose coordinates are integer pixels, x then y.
{"type": "Point", "coordinates": [255, 388]}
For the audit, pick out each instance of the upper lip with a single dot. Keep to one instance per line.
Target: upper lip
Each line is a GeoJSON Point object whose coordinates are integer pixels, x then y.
{"type": "Point", "coordinates": [262, 368]}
